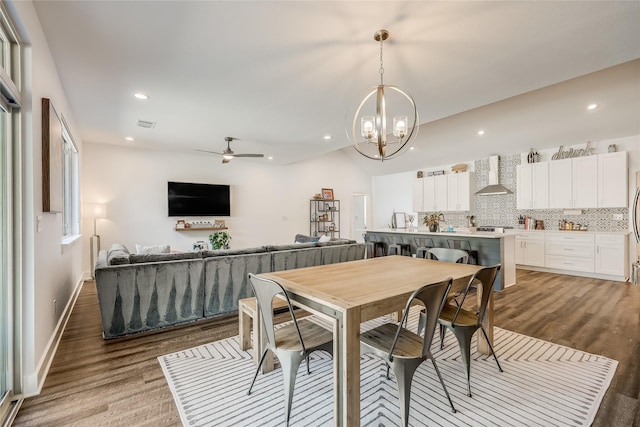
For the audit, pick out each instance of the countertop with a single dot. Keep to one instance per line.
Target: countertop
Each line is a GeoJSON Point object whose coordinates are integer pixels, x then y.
{"type": "Point", "coordinates": [459, 233]}
{"type": "Point", "coordinates": [520, 231]}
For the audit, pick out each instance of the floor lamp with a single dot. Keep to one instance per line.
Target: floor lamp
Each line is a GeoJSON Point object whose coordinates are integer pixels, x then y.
{"type": "Point", "coordinates": [95, 211]}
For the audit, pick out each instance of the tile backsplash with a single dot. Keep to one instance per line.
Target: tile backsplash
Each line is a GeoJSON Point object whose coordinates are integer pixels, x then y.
{"type": "Point", "coordinates": [501, 210]}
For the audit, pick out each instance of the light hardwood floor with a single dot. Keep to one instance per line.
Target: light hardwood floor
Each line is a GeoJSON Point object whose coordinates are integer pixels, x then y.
{"type": "Point", "coordinates": [93, 382]}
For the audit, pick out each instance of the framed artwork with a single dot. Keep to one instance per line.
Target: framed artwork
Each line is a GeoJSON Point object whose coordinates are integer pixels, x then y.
{"type": "Point", "coordinates": [327, 193]}
{"type": "Point", "coordinates": [52, 197]}
{"type": "Point", "coordinates": [400, 220]}
{"type": "Point", "coordinates": [219, 223]}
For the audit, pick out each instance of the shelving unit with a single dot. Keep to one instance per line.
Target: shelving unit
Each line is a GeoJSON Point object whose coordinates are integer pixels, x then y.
{"type": "Point", "coordinates": [324, 217]}
{"type": "Point", "coordinates": [201, 228]}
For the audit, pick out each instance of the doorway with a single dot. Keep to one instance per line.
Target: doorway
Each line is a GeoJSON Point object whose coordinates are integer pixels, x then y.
{"type": "Point", "coordinates": [359, 217]}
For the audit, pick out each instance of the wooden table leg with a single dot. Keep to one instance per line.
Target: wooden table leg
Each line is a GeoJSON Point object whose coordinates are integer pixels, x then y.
{"type": "Point", "coordinates": [347, 369]}
{"type": "Point", "coordinates": [259, 336]}
{"type": "Point", "coordinates": [487, 323]}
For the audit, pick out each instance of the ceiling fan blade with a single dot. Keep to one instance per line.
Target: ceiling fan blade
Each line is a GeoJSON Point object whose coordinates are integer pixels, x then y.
{"type": "Point", "coordinates": [210, 152]}
{"type": "Point", "coordinates": [248, 155]}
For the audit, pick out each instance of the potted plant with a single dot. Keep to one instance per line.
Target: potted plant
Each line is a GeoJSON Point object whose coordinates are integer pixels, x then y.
{"type": "Point", "coordinates": [220, 240]}
{"type": "Point", "coordinates": [433, 221]}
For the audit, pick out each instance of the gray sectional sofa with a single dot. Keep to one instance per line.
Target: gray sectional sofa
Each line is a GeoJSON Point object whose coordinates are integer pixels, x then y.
{"type": "Point", "coordinates": [138, 293]}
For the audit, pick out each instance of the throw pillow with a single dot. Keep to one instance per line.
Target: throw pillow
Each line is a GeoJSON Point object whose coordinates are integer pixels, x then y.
{"type": "Point", "coordinates": [324, 239]}
{"type": "Point", "coordinates": [155, 249]}
{"type": "Point", "coordinates": [301, 238]}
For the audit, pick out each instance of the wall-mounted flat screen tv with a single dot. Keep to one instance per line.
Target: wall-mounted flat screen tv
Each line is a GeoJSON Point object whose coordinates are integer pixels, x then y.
{"type": "Point", "coordinates": [190, 199]}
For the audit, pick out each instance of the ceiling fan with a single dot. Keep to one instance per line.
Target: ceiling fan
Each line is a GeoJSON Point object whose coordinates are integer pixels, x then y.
{"type": "Point", "coordinates": [228, 153]}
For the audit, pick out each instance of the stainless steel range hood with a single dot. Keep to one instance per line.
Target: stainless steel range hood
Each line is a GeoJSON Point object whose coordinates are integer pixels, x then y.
{"type": "Point", "coordinates": [494, 188]}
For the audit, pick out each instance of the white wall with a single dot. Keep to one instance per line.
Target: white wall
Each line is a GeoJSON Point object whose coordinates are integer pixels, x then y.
{"type": "Point", "coordinates": [391, 193]}
{"type": "Point", "coordinates": [269, 203]}
{"type": "Point", "coordinates": [50, 271]}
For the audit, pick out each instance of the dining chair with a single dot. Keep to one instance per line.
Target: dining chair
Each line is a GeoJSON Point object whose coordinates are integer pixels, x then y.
{"type": "Point", "coordinates": [402, 350]}
{"type": "Point", "coordinates": [423, 244]}
{"type": "Point", "coordinates": [374, 247]}
{"type": "Point", "coordinates": [398, 247]}
{"type": "Point", "coordinates": [291, 343]}
{"type": "Point", "coordinates": [464, 245]}
{"type": "Point", "coordinates": [449, 255]}
{"type": "Point", "coordinates": [464, 322]}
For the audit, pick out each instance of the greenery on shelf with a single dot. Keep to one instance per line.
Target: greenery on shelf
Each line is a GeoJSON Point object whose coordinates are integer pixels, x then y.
{"type": "Point", "coordinates": [220, 240]}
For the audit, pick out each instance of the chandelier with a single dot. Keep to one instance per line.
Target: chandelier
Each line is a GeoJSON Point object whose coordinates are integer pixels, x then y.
{"type": "Point", "coordinates": [368, 129]}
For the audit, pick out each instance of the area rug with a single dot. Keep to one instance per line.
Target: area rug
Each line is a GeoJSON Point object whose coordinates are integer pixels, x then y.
{"type": "Point", "coordinates": [543, 384]}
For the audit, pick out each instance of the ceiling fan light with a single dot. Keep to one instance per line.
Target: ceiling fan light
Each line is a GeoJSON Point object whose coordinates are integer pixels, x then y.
{"type": "Point", "coordinates": [228, 156]}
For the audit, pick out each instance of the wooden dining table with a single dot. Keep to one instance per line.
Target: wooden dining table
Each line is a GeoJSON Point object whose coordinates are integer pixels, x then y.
{"type": "Point", "coordinates": [350, 293]}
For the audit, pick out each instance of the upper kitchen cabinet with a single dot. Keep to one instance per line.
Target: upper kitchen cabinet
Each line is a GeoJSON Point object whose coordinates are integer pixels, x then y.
{"type": "Point", "coordinates": [435, 193]}
{"type": "Point", "coordinates": [573, 183]}
{"type": "Point", "coordinates": [598, 181]}
{"type": "Point", "coordinates": [612, 180]}
{"type": "Point", "coordinates": [460, 191]}
{"type": "Point", "coordinates": [532, 190]}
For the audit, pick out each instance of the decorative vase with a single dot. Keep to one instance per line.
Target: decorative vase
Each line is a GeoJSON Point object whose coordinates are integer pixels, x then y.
{"type": "Point", "coordinates": [531, 157]}
{"type": "Point", "coordinates": [433, 228]}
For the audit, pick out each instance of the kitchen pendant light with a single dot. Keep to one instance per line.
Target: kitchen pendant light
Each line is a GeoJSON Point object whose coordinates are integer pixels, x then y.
{"type": "Point", "coordinates": [367, 127]}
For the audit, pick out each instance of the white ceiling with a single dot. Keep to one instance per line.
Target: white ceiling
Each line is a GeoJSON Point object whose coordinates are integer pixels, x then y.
{"type": "Point", "coordinates": [280, 75]}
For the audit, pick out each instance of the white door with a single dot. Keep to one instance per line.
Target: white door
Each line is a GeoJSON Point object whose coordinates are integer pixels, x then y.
{"type": "Point", "coordinates": [585, 182]}
{"type": "Point", "coordinates": [359, 220]}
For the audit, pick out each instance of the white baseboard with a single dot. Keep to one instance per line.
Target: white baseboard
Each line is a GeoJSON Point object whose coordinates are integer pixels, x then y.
{"type": "Point", "coordinates": [33, 383]}
{"type": "Point", "coordinates": [574, 273]}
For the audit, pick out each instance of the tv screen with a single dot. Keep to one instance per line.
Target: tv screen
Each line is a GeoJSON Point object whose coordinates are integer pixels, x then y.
{"type": "Point", "coordinates": [189, 199]}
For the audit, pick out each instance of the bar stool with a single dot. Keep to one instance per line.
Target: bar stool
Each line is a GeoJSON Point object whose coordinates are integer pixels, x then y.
{"type": "Point", "coordinates": [465, 246]}
{"type": "Point", "coordinates": [398, 247]}
{"type": "Point", "coordinates": [423, 244]}
{"type": "Point", "coordinates": [374, 247]}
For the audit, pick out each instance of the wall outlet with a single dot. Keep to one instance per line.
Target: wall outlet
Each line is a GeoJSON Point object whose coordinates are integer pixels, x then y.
{"type": "Point", "coordinates": [617, 217]}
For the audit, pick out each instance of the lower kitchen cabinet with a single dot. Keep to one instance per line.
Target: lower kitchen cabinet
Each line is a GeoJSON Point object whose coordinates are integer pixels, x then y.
{"type": "Point", "coordinates": [611, 254]}
{"type": "Point", "coordinates": [571, 251]}
{"type": "Point", "coordinates": [530, 249]}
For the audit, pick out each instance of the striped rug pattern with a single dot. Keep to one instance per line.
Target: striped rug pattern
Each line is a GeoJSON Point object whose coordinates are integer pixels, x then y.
{"type": "Point", "coordinates": [543, 384]}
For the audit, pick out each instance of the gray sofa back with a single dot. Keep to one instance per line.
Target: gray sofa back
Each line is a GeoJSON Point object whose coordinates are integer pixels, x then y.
{"type": "Point", "coordinates": [139, 297]}
{"type": "Point", "coordinates": [138, 293]}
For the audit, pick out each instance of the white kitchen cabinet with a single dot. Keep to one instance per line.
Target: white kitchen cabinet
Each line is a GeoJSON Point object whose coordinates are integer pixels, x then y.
{"type": "Point", "coordinates": [573, 183]}
{"type": "Point", "coordinates": [530, 249]}
{"type": "Point", "coordinates": [418, 195]}
{"type": "Point", "coordinates": [532, 186]}
{"type": "Point", "coordinates": [570, 251]}
{"type": "Point", "coordinates": [460, 188]}
{"type": "Point", "coordinates": [435, 193]}
{"type": "Point", "coordinates": [613, 190]}
{"type": "Point", "coordinates": [611, 254]}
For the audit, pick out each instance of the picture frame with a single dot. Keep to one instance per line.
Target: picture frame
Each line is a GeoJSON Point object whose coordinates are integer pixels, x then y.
{"type": "Point", "coordinates": [400, 220]}
{"type": "Point", "coordinates": [219, 223]}
{"type": "Point", "coordinates": [52, 193]}
{"type": "Point", "coordinates": [327, 193]}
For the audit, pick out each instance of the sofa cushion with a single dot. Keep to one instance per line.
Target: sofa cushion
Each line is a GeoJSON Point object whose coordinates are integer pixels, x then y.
{"type": "Point", "coordinates": [335, 242]}
{"type": "Point", "coordinates": [301, 238]}
{"type": "Point", "coordinates": [153, 249]}
{"type": "Point", "coordinates": [142, 258]}
{"type": "Point", "coordinates": [274, 248]}
{"type": "Point", "coordinates": [119, 247]}
{"type": "Point", "coordinates": [117, 257]}
{"type": "Point", "coordinates": [227, 252]}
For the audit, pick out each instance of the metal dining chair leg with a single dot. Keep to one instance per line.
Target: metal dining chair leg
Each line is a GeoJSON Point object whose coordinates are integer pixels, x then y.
{"type": "Point", "coordinates": [464, 335]}
{"type": "Point", "coordinates": [486, 337]}
{"type": "Point", "coordinates": [453, 409]}
{"type": "Point", "coordinates": [264, 354]}
{"type": "Point", "coordinates": [404, 376]}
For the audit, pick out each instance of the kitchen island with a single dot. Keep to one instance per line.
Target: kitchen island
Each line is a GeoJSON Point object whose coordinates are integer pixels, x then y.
{"type": "Point", "coordinates": [492, 248]}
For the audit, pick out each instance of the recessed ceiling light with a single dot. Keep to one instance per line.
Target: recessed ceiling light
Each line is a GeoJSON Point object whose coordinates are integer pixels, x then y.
{"type": "Point", "coordinates": [141, 95]}
{"type": "Point", "coordinates": [412, 148]}
{"type": "Point", "coordinates": [480, 132]}
{"type": "Point", "coordinates": [327, 137]}
{"type": "Point", "coordinates": [592, 106]}
{"type": "Point", "coordinates": [129, 138]}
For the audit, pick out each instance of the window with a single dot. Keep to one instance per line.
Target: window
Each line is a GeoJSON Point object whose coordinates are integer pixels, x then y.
{"type": "Point", "coordinates": [10, 191]}
{"type": "Point", "coordinates": [70, 190]}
